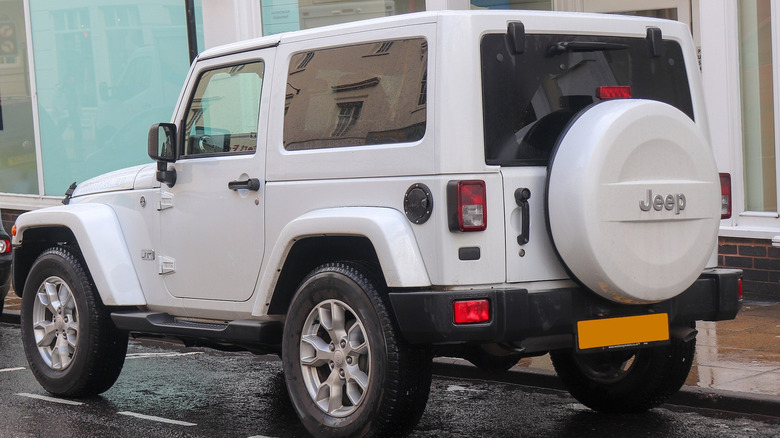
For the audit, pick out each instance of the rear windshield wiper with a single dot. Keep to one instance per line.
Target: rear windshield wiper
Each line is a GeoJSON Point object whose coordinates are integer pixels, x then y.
{"type": "Point", "coordinates": [582, 46]}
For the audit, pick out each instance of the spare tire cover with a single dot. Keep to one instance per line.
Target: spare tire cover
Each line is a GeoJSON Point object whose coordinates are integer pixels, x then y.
{"type": "Point", "coordinates": [633, 200]}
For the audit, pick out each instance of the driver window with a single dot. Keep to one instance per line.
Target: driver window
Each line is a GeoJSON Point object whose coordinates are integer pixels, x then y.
{"type": "Point", "coordinates": [223, 114]}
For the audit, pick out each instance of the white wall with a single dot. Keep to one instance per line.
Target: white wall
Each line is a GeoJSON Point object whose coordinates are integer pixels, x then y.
{"type": "Point", "coordinates": [228, 21]}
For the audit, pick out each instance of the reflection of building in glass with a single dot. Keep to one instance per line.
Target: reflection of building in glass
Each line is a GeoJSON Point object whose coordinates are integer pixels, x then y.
{"type": "Point", "coordinates": [18, 173]}
{"type": "Point", "coordinates": [111, 72]}
{"type": "Point", "coordinates": [357, 95]}
{"type": "Point", "coordinates": [316, 13]}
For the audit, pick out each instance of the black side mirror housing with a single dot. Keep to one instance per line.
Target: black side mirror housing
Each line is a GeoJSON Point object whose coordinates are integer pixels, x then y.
{"type": "Point", "coordinates": [162, 148]}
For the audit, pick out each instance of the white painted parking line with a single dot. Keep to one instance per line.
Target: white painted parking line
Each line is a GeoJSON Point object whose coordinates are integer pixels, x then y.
{"type": "Point", "coordinates": [152, 355]}
{"type": "Point", "coordinates": [5, 370]}
{"type": "Point", "coordinates": [50, 399]}
{"type": "Point", "coordinates": [260, 436]}
{"type": "Point", "coordinates": [158, 419]}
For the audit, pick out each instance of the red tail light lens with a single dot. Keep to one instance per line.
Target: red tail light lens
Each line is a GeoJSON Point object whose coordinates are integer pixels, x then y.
{"type": "Point", "coordinates": [739, 292]}
{"type": "Point", "coordinates": [617, 92]}
{"type": "Point", "coordinates": [725, 195]}
{"type": "Point", "coordinates": [467, 205]}
{"type": "Point", "coordinates": [5, 246]}
{"type": "Point", "coordinates": [470, 312]}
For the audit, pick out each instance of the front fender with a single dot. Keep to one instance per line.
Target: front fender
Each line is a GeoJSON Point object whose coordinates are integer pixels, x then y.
{"type": "Point", "coordinates": [101, 242]}
{"type": "Point", "coordinates": [388, 230]}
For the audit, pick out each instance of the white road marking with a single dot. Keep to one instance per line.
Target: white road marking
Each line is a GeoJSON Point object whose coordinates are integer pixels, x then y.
{"type": "Point", "coordinates": [5, 370]}
{"type": "Point", "coordinates": [50, 399]}
{"type": "Point", "coordinates": [259, 436]}
{"type": "Point", "coordinates": [158, 419]}
{"type": "Point", "coordinates": [151, 355]}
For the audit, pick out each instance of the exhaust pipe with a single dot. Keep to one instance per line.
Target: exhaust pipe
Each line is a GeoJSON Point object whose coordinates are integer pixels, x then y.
{"type": "Point", "coordinates": [683, 333]}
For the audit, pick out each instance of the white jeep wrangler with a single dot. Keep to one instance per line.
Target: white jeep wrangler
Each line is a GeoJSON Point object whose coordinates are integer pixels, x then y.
{"type": "Point", "coordinates": [361, 197]}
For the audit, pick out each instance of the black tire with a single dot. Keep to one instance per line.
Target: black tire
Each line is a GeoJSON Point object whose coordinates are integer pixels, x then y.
{"type": "Point", "coordinates": [397, 376]}
{"type": "Point", "coordinates": [3, 294]}
{"type": "Point", "coordinates": [628, 381]}
{"type": "Point", "coordinates": [489, 362]}
{"type": "Point", "coordinates": [84, 354]}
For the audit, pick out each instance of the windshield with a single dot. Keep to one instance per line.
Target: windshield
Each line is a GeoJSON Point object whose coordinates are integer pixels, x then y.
{"type": "Point", "coordinates": [528, 98]}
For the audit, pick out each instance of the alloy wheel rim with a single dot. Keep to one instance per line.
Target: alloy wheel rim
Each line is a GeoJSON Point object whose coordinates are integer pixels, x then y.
{"type": "Point", "coordinates": [335, 358]}
{"type": "Point", "coordinates": [55, 323]}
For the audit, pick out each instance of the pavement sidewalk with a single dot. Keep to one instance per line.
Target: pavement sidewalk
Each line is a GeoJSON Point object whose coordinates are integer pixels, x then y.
{"type": "Point", "coordinates": [736, 367]}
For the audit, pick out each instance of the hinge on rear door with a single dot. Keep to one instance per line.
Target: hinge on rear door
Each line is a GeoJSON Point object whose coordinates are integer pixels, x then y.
{"type": "Point", "coordinates": [166, 201]}
{"type": "Point", "coordinates": [167, 265]}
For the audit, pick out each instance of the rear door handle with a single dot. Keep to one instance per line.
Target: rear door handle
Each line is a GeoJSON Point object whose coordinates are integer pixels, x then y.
{"type": "Point", "coordinates": [248, 184]}
{"type": "Point", "coordinates": [522, 195]}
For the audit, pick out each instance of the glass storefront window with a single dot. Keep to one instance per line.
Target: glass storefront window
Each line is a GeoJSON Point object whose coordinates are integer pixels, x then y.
{"type": "Point", "coordinates": [18, 168]}
{"type": "Point", "coordinates": [758, 128]}
{"type": "Point", "coordinates": [531, 5]}
{"type": "Point", "coordinates": [288, 15]}
{"type": "Point", "coordinates": [104, 75]}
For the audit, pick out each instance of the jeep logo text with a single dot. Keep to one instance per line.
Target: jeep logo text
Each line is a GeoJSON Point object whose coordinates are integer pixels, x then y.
{"type": "Point", "coordinates": [659, 202]}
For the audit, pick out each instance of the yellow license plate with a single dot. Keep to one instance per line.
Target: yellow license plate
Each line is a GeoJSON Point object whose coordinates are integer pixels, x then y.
{"type": "Point", "coordinates": [622, 332]}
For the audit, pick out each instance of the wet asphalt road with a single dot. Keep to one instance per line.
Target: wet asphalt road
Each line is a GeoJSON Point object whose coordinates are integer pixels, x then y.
{"type": "Point", "coordinates": [205, 393]}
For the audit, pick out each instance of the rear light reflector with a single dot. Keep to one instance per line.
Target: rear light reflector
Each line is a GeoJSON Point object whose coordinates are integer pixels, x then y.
{"type": "Point", "coordinates": [470, 312]}
{"type": "Point", "coordinates": [616, 92]}
{"type": "Point", "coordinates": [739, 292]}
{"type": "Point", "coordinates": [5, 246]}
{"type": "Point", "coordinates": [467, 205]}
{"type": "Point", "coordinates": [725, 195]}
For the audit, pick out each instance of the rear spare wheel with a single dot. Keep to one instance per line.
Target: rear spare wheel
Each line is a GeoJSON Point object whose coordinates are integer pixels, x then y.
{"type": "Point", "coordinates": [633, 200]}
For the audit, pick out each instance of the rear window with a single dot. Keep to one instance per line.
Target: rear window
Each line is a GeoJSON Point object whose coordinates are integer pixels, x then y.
{"type": "Point", "coordinates": [528, 98]}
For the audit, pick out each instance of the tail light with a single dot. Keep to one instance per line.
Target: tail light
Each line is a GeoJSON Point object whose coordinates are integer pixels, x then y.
{"type": "Point", "coordinates": [616, 92]}
{"type": "Point", "coordinates": [739, 291]}
{"type": "Point", "coordinates": [467, 205]}
{"type": "Point", "coordinates": [5, 246]}
{"type": "Point", "coordinates": [470, 312]}
{"type": "Point", "coordinates": [725, 195]}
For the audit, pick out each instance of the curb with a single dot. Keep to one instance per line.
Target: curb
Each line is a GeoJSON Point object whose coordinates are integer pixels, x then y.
{"type": "Point", "coordinates": [689, 396]}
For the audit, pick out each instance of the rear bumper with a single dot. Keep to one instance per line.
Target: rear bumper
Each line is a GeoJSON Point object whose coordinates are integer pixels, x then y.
{"type": "Point", "coordinates": [425, 317]}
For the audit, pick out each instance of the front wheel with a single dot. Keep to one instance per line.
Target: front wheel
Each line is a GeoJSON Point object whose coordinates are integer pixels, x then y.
{"type": "Point", "coordinates": [71, 344]}
{"type": "Point", "coordinates": [626, 381]}
{"type": "Point", "coordinates": [348, 371]}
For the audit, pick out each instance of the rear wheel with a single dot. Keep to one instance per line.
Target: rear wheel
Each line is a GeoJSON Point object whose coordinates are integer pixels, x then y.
{"type": "Point", "coordinates": [625, 381]}
{"type": "Point", "coordinates": [491, 362]}
{"type": "Point", "coordinates": [71, 344]}
{"type": "Point", "coordinates": [348, 371]}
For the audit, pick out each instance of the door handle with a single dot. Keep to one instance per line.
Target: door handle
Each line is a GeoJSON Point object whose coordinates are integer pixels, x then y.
{"type": "Point", "coordinates": [522, 196]}
{"type": "Point", "coordinates": [248, 184]}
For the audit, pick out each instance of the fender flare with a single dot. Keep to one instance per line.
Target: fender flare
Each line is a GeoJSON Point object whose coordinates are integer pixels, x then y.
{"type": "Point", "coordinates": [102, 244]}
{"type": "Point", "coordinates": [388, 230]}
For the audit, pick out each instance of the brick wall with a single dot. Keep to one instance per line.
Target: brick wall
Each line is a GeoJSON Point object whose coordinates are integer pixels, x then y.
{"type": "Point", "coordinates": [759, 260]}
{"type": "Point", "coordinates": [9, 217]}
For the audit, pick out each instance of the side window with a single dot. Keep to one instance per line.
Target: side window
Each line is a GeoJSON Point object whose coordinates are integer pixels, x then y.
{"type": "Point", "coordinates": [357, 95]}
{"type": "Point", "coordinates": [222, 117]}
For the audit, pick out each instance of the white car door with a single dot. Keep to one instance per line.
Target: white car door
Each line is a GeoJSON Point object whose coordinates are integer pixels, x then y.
{"type": "Point", "coordinates": [212, 227]}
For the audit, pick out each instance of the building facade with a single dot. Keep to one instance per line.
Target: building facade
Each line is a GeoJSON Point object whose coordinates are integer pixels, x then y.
{"type": "Point", "coordinates": [81, 81]}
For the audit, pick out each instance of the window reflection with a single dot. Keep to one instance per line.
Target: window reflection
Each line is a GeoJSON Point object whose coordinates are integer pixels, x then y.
{"type": "Point", "coordinates": [757, 86]}
{"type": "Point", "coordinates": [18, 168]}
{"type": "Point", "coordinates": [357, 95]}
{"type": "Point", "coordinates": [104, 74]}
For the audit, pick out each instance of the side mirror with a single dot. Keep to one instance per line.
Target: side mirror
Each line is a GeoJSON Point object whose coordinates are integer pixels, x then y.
{"type": "Point", "coordinates": [162, 148]}
{"type": "Point", "coordinates": [162, 142]}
